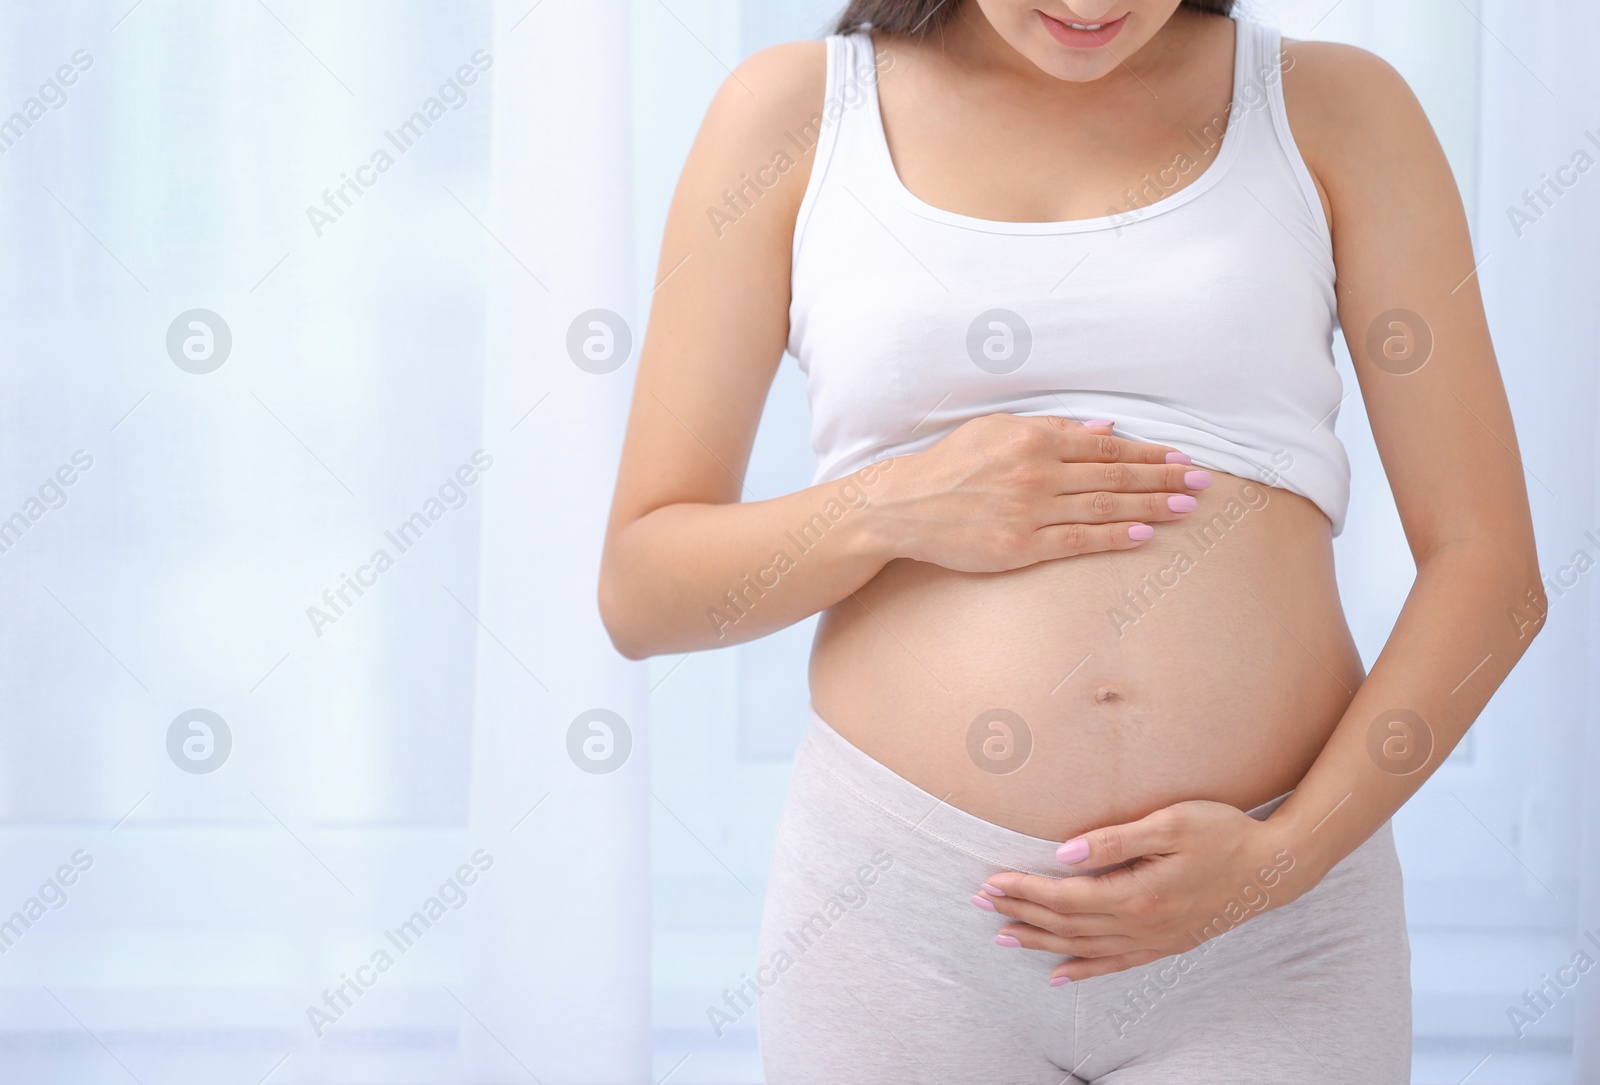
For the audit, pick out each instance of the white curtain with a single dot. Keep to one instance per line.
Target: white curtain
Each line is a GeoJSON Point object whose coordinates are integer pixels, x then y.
{"type": "Point", "coordinates": [294, 437]}
{"type": "Point", "coordinates": [563, 960]}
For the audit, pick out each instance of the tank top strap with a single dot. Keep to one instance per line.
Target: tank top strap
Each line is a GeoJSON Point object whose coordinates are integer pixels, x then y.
{"type": "Point", "coordinates": [1248, 57]}
{"type": "Point", "coordinates": [1263, 94]}
{"type": "Point", "coordinates": [847, 128]}
{"type": "Point", "coordinates": [1255, 72]}
{"type": "Point", "coordinates": [852, 102]}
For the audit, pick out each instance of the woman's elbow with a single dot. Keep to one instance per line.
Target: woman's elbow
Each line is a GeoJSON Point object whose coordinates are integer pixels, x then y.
{"type": "Point", "coordinates": [1527, 581]}
{"type": "Point", "coordinates": [615, 617]}
{"type": "Point", "coordinates": [1533, 603]}
{"type": "Point", "coordinates": [1512, 573]}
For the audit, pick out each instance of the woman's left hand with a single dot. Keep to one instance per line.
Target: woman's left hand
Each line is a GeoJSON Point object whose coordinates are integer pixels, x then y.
{"type": "Point", "coordinates": [1182, 875]}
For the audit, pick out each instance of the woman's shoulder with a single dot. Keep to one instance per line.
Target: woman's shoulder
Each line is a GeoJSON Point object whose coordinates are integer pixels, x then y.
{"type": "Point", "coordinates": [1333, 88]}
{"type": "Point", "coordinates": [742, 156]}
{"type": "Point", "coordinates": [773, 91]}
{"type": "Point", "coordinates": [1350, 111]}
{"type": "Point", "coordinates": [774, 84]}
{"type": "Point", "coordinates": [1335, 67]}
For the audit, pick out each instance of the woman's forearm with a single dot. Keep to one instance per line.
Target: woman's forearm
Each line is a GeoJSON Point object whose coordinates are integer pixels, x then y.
{"type": "Point", "coordinates": [998, 493]}
{"type": "Point", "coordinates": [1471, 614]}
{"type": "Point", "coordinates": [687, 577]}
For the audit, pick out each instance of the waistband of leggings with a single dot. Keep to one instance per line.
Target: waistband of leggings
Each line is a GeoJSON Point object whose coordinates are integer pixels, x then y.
{"type": "Point", "coordinates": [825, 750]}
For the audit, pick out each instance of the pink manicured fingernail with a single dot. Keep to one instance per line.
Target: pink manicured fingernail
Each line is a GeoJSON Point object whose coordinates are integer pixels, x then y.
{"type": "Point", "coordinates": [1007, 941]}
{"type": "Point", "coordinates": [991, 890]}
{"type": "Point", "coordinates": [1141, 532]}
{"type": "Point", "coordinates": [1178, 457]}
{"type": "Point", "coordinates": [1060, 981]}
{"type": "Point", "coordinates": [1197, 480]}
{"type": "Point", "coordinates": [985, 905]}
{"type": "Point", "coordinates": [1099, 422]}
{"type": "Point", "coordinates": [1073, 851]}
{"type": "Point", "coordinates": [1182, 503]}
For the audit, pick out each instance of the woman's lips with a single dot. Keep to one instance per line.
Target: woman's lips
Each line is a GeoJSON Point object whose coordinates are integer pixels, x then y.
{"type": "Point", "coordinates": [1082, 39]}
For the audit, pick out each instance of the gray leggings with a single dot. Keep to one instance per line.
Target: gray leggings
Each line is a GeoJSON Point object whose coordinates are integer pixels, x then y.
{"type": "Point", "coordinates": [875, 968]}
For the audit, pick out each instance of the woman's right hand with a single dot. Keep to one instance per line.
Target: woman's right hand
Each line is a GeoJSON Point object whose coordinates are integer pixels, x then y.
{"type": "Point", "coordinates": [1003, 491]}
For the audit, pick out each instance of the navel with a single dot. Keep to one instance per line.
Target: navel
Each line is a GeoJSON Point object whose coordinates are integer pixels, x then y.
{"type": "Point", "coordinates": [1108, 695]}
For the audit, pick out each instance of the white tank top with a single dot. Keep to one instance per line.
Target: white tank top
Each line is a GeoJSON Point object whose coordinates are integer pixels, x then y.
{"type": "Point", "coordinates": [1202, 319]}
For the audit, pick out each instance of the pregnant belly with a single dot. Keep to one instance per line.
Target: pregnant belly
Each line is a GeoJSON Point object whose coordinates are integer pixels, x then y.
{"type": "Point", "coordinates": [1210, 663]}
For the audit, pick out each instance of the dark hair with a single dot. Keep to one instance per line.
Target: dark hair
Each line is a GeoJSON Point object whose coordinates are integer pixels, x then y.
{"type": "Point", "coordinates": [919, 17]}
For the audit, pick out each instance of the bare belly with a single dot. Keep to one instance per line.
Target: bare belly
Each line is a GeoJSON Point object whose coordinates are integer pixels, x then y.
{"type": "Point", "coordinates": [1211, 663]}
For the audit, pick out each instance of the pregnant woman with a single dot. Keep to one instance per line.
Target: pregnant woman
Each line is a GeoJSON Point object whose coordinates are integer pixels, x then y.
{"type": "Point", "coordinates": [1096, 787]}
